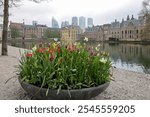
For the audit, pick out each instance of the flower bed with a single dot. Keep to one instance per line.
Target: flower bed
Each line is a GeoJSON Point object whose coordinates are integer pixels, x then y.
{"type": "Point", "coordinates": [58, 66]}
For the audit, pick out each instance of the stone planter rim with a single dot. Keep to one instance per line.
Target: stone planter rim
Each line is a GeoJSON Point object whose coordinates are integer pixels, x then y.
{"type": "Point", "coordinates": [102, 87]}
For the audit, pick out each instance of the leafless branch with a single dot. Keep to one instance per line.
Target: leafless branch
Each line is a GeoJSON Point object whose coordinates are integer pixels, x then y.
{"type": "Point", "coordinates": [14, 3]}
{"type": "Point", "coordinates": [38, 1]}
{"type": "Point", "coordinates": [146, 8]}
{"type": "Point", "coordinates": [1, 3]}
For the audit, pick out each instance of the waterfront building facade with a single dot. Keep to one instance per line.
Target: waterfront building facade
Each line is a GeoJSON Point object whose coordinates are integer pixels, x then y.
{"type": "Point", "coordinates": [130, 29]}
{"type": "Point", "coordinates": [29, 31]}
{"type": "Point", "coordinates": [127, 30]}
{"type": "Point", "coordinates": [70, 33]}
{"type": "Point", "coordinates": [75, 21]}
{"type": "Point", "coordinates": [37, 31]}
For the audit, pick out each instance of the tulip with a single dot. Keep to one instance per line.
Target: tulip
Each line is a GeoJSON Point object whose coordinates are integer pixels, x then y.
{"type": "Point", "coordinates": [103, 60]}
{"type": "Point", "coordinates": [52, 57]}
{"type": "Point", "coordinates": [86, 39]}
{"type": "Point", "coordinates": [29, 54]}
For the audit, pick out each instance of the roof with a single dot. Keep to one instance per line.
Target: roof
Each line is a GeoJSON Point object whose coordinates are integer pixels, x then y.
{"type": "Point", "coordinates": [29, 26]}
{"type": "Point", "coordinates": [71, 27]}
{"type": "Point", "coordinates": [134, 22]}
{"type": "Point", "coordinates": [40, 25]}
{"type": "Point", "coordinates": [115, 24]}
{"type": "Point", "coordinates": [131, 22]}
{"type": "Point", "coordinates": [34, 26]}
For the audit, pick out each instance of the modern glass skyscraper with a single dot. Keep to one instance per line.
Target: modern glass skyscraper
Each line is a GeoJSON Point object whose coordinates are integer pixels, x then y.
{"type": "Point", "coordinates": [90, 22]}
{"type": "Point", "coordinates": [34, 23]}
{"type": "Point", "coordinates": [65, 23]}
{"type": "Point", "coordinates": [82, 21]}
{"type": "Point", "coordinates": [54, 23]}
{"type": "Point", "coordinates": [75, 21]}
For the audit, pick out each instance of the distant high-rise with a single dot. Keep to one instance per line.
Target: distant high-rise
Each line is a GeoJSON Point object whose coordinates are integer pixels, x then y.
{"type": "Point", "coordinates": [90, 22]}
{"type": "Point", "coordinates": [82, 22]}
{"type": "Point", "coordinates": [75, 21]}
{"type": "Point", "coordinates": [65, 23]}
{"type": "Point", "coordinates": [54, 23]}
{"type": "Point", "coordinates": [34, 23]}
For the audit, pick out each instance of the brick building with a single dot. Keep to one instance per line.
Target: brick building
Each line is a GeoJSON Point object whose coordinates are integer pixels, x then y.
{"type": "Point", "coordinates": [29, 31]}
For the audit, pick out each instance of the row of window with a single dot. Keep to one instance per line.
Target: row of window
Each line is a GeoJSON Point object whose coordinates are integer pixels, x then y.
{"type": "Point", "coordinates": [127, 32]}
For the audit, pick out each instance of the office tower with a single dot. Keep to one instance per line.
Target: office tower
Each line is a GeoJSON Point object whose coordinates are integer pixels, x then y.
{"type": "Point", "coordinates": [75, 21]}
{"type": "Point", "coordinates": [90, 22]}
{"type": "Point", "coordinates": [82, 22]}
{"type": "Point", "coordinates": [54, 23]}
{"type": "Point", "coordinates": [34, 23]}
{"type": "Point", "coordinates": [65, 23]}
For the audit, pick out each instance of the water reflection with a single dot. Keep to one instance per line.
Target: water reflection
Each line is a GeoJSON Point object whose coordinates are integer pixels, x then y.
{"type": "Point", "coordinates": [134, 57]}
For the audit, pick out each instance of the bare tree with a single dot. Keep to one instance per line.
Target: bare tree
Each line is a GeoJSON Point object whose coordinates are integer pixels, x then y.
{"type": "Point", "coordinates": [6, 4]}
{"type": "Point", "coordinates": [146, 12]}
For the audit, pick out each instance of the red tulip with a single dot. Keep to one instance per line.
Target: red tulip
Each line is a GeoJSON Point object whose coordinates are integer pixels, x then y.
{"type": "Point", "coordinates": [50, 51]}
{"type": "Point", "coordinates": [41, 50]}
{"type": "Point", "coordinates": [58, 50]}
{"type": "Point", "coordinates": [52, 57]}
{"type": "Point", "coordinates": [29, 54]}
{"type": "Point", "coordinates": [89, 48]}
{"type": "Point", "coordinates": [92, 52]}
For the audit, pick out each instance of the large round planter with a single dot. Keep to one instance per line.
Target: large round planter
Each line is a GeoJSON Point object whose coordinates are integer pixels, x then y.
{"type": "Point", "coordinates": [79, 94]}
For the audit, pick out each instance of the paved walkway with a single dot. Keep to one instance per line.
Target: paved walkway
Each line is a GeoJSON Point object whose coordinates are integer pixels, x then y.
{"type": "Point", "coordinates": [126, 85]}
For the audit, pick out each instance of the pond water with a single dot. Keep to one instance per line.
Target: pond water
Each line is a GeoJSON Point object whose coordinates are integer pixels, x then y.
{"type": "Point", "coordinates": [133, 57]}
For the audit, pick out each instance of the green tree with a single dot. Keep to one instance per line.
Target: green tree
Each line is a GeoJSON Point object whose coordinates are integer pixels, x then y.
{"type": "Point", "coordinates": [6, 4]}
{"type": "Point", "coordinates": [47, 33]}
{"type": "Point", "coordinates": [52, 33]}
{"type": "Point", "coordinates": [15, 32]}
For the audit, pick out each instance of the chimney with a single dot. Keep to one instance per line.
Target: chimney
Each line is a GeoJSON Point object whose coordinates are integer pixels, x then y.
{"type": "Point", "coordinates": [128, 18]}
{"type": "Point", "coordinates": [132, 17]}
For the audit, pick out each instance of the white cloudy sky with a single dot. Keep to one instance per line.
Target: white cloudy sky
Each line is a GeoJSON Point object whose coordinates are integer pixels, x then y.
{"type": "Point", "coordinates": [102, 11]}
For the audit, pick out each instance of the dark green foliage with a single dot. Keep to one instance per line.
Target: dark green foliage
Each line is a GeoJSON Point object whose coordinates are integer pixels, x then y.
{"type": "Point", "coordinates": [15, 32]}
